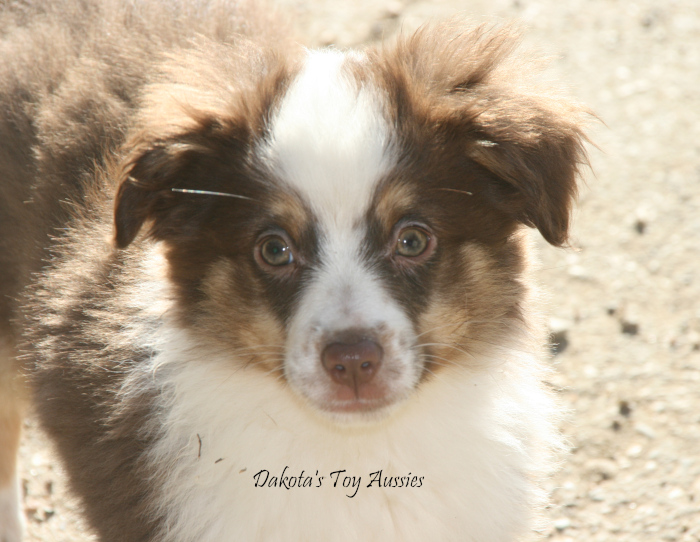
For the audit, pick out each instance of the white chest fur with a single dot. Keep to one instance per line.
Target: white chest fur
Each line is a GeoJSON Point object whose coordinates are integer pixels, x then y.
{"type": "Point", "coordinates": [473, 441]}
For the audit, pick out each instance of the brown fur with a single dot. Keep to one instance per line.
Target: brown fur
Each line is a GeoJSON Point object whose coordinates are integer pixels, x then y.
{"type": "Point", "coordinates": [132, 102]}
{"type": "Point", "coordinates": [72, 76]}
{"type": "Point", "coordinates": [458, 101]}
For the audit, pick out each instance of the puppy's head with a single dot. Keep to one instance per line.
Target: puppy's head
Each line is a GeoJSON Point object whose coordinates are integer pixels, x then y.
{"type": "Point", "coordinates": [350, 223]}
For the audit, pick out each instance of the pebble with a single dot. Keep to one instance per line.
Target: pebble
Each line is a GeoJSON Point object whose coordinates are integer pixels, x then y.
{"type": "Point", "coordinates": [629, 328]}
{"type": "Point", "coordinates": [624, 409]}
{"type": "Point", "coordinates": [327, 37]}
{"type": "Point", "coordinates": [393, 9]}
{"type": "Point", "coordinates": [634, 451]}
{"type": "Point", "coordinates": [675, 493]}
{"type": "Point", "coordinates": [559, 334]}
{"type": "Point", "coordinates": [38, 460]}
{"type": "Point", "coordinates": [578, 272]}
{"type": "Point", "coordinates": [562, 523]}
{"type": "Point", "coordinates": [644, 429]}
{"type": "Point", "coordinates": [600, 469]}
{"type": "Point", "coordinates": [596, 495]}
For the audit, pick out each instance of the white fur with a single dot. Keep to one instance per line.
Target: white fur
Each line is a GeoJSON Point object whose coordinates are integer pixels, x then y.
{"type": "Point", "coordinates": [330, 140]}
{"type": "Point", "coordinates": [330, 143]}
{"type": "Point", "coordinates": [476, 439]}
{"type": "Point", "coordinates": [344, 295]}
{"type": "Point", "coordinates": [473, 438]}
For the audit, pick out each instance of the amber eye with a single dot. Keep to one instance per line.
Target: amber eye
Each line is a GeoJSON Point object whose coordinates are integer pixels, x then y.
{"type": "Point", "coordinates": [412, 242]}
{"type": "Point", "coordinates": [276, 251]}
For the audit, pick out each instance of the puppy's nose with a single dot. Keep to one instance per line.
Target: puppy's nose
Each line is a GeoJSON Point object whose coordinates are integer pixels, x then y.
{"type": "Point", "coordinates": [352, 365]}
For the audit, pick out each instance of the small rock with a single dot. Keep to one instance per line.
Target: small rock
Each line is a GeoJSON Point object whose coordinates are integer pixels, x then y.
{"type": "Point", "coordinates": [599, 470]}
{"type": "Point", "coordinates": [393, 9]}
{"type": "Point", "coordinates": [625, 409]}
{"type": "Point", "coordinates": [596, 495]}
{"type": "Point", "coordinates": [327, 37]}
{"type": "Point", "coordinates": [562, 523]}
{"type": "Point", "coordinates": [658, 406]}
{"type": "Point", "coordinates": [591, 371]}
{"type": "Point", "coordinates": [634, 451]}
{"type": "Point", "coordinates": [559, 334]}
{"type": "Point", "coordinates": [675, 493]}
{"type": "Point", "coordinates": [376, 32]}
{"type": "Point", "coordinates": [34, 510]}
{"type": "Point", "coordinates": [647, 21]}
{"type": "Point", "coordinates": [640, 226]}
{"type": "Point", "coordinates": [38, 460]}
{"type": "Point", "coordinates": [644, 429]}
{"type": "Point", "coordinates": [629, 328]}
{"type": "Point", "coordinates": [31, 506]}
{"type": "Point", "coordinates": [578, 272]}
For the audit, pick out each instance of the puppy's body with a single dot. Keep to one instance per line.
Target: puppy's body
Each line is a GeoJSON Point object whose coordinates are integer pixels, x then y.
{"type": "Point", "coordinates": [279, 213]}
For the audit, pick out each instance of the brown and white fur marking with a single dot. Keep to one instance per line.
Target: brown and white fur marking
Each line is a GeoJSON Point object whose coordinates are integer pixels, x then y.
{"type": "Point", "coordinates": [224, 253]}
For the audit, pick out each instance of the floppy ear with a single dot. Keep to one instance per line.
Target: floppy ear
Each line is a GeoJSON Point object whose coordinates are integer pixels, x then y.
{"type": "Point", "coordinates": [198, 119]}
{"type": "Point", "coordinates": [465, 84]}
{"type": "Point", "coordinates": [145, 192]}
{"type": "Point", "coordinates": [135, 202]}
{"type": "Point", "coordinates": [533, 150]}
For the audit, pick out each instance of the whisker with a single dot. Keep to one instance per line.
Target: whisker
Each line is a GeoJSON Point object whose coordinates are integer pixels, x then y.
{"type": "Point", "coordinates": [244, 349]}
{"type": "Point", "coordinates": [210, 193]}
{"type": "Point", "coordinates": [455, 190]}
{"type": "Point", "coordinates": [459, 326]}
{"type": "Point", "coordinates": [425, 369]}
{"type": "Point", "coordinates": [504, 347]}
{"type": "Point", "coordinates": [446, 346]}
{"type": "Point", "coordinates": [440, 327]}
{"type": "Point", "coordinates": [447, 362]}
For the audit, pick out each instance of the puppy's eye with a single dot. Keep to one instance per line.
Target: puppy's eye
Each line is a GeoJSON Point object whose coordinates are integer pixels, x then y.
{"type": "Point", "coordinates": [276, 251]}
{"type": "Point", "coordinates": [412, 242]}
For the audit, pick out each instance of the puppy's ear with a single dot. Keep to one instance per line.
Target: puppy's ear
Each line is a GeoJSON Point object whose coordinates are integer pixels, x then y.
{"type": "Point", "coordinates": [194, 130]}
{"type": "Point", "coordinates": [465, 85]}
{"type": "Point", "coordinates": [186, 152]}
{"type": "Point", "coordinates": [533, 151]}
{"type": "Point", "coordinates": [135, 201]}
{"type": "Point", "coordinates": [145, 192]}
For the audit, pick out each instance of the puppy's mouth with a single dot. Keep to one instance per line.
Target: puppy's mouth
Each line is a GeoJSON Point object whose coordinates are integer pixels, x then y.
{"type": "Point", "coordinates": [359, 406]}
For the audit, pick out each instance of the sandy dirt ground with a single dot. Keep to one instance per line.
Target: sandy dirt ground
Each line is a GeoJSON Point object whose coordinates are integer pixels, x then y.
{"type": "Point", "coordinates": [625, 301]}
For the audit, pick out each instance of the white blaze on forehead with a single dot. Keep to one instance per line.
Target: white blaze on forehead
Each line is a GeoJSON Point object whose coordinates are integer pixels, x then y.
{"type": "Point", "coordinates": [330, 142]}
{"type": "Point", "coordinates": [329, 138]}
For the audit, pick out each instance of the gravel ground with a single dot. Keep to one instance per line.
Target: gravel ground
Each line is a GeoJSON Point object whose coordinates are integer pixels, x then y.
{"type": "Point", "coordinates": [625, 301]}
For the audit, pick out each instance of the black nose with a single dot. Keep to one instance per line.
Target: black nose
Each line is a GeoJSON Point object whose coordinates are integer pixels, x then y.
{"type": "Point", "coordinates": [352, 365]}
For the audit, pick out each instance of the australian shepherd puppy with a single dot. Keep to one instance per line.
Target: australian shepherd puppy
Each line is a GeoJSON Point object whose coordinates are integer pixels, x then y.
{"type": "Point", "coordinates": [270, 294]}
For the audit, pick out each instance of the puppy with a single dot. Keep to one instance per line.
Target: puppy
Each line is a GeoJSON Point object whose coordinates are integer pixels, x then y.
{"type": "Point", "coordinates": [265, 293]}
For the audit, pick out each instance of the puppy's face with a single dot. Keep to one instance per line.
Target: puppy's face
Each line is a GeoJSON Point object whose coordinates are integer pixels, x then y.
{"type": "Point", "coordinates": [347, 223]}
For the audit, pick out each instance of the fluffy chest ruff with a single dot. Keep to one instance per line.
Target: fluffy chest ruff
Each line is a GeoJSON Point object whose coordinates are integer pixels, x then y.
{"type": "Point", "coordinates": [235, 445]}
{"type": "Point", "coordinates": [318, 264]}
